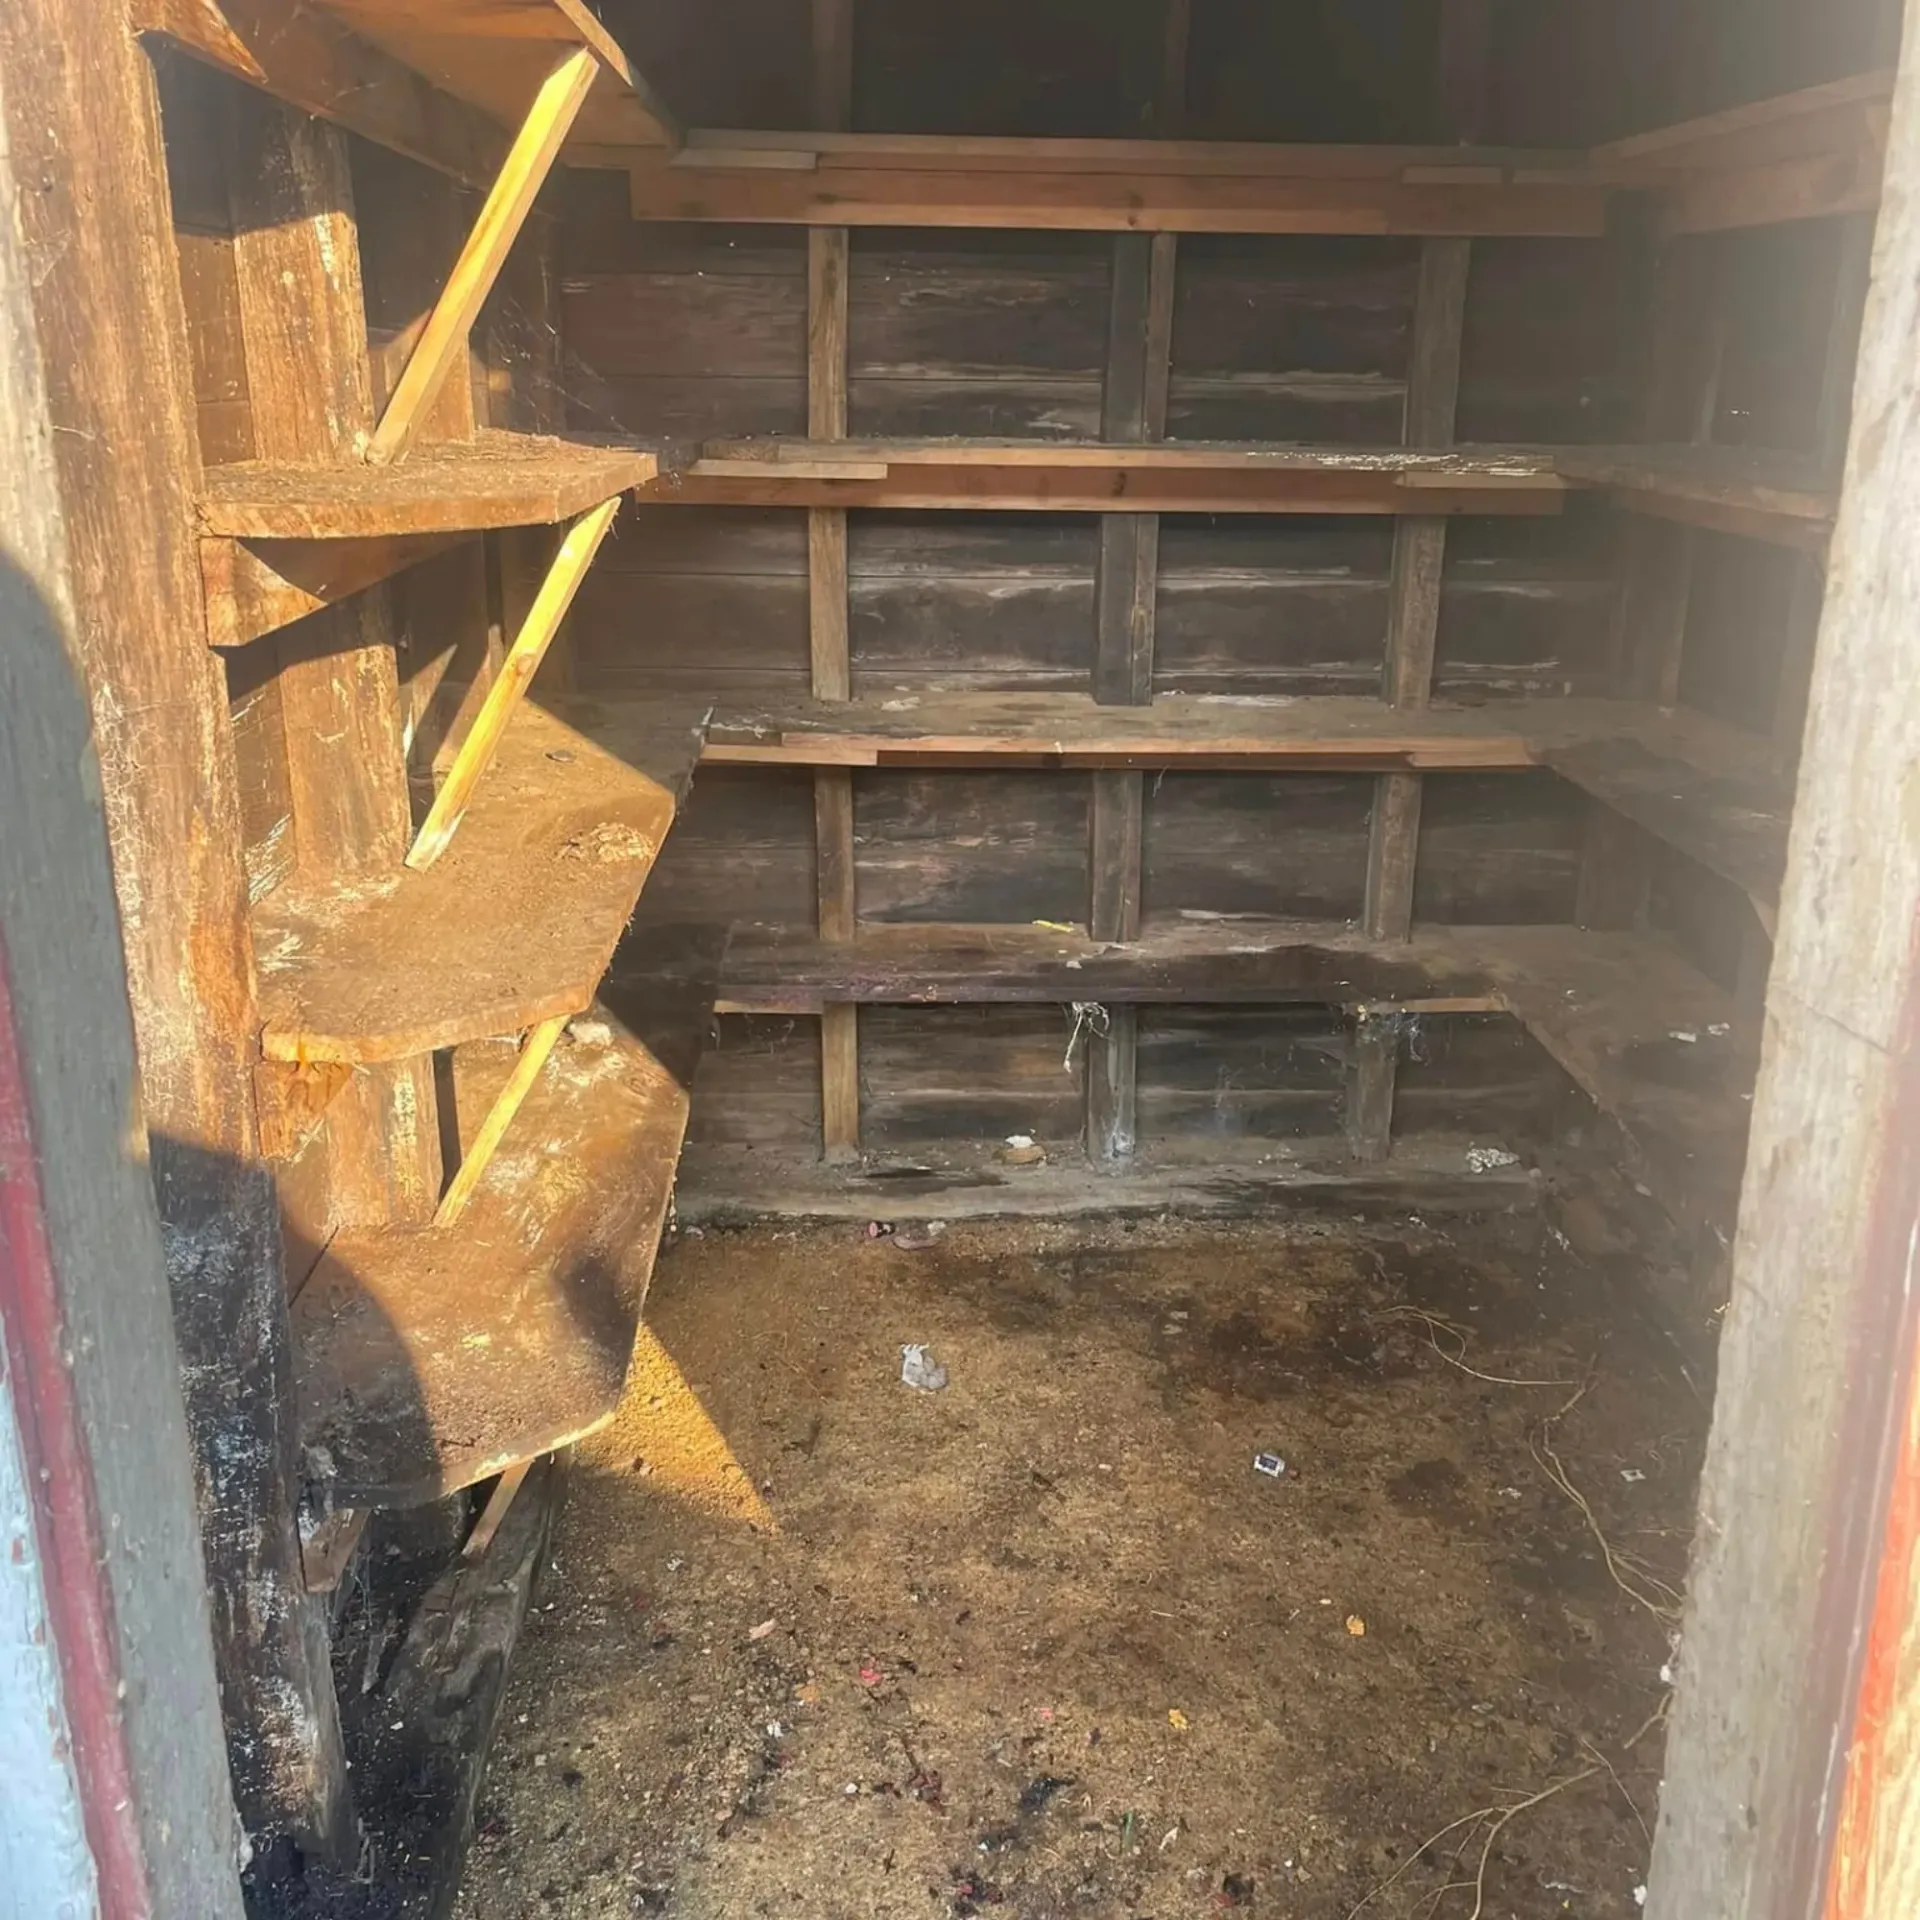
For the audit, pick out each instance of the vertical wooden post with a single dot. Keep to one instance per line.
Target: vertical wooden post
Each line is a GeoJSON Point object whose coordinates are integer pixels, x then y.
{"type": "Point", "coordinates": [827, 260]}
{"type": "Point", "coordinates": [82, 126]}
{"type": "Point", "coordinates": [303, 319]}
{"type": "Point", "coordinates": [1133, 407]}
{"type": "Point", "coordinates": [1796, 1699]}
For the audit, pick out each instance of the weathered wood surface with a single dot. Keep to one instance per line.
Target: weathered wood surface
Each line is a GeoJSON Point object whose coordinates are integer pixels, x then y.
{"type": "Point", "coordinates": [495, 53]}
{"type": "Point", "coordinates": [1818, 1349]}
{"type": "Point", "coordinates": [81, 126]}
{"type": "Point", "coordinates": [494, 480]}
{"type": "Point", "coordinates": [430, 1359]}
{"type": "Point", "coordinates": [532, 896]}
{"type": "Point", "coordinates": [255, 586]}
{"type": "Point", "coordinates": [299, 55]}
{"type": "Point", "coordinates": [1764, 495]}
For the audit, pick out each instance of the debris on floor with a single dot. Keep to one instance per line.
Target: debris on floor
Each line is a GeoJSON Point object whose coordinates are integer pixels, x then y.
{"type": "Point", "coordinates": [919, 1369]}
{"type": "Point", "coordinates": [1022, 1150]}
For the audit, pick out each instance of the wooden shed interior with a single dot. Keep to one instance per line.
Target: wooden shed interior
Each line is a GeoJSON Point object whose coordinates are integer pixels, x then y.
{"type": "Point", "coordinates": [739, 608]}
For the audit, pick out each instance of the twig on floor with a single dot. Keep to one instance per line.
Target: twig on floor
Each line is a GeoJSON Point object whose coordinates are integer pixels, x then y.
{"type": "Point", "coordinates": [1436, 1326]}
{"type": "Point", "coordinates": [1613, 1772]}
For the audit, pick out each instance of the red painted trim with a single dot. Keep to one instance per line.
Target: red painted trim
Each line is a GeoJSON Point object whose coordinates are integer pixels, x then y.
{"type": "Point", "coordinates": [66, 1516]}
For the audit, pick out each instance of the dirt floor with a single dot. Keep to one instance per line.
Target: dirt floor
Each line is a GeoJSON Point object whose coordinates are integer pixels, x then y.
{"type": "Point", "coordinates": [814, 1643]}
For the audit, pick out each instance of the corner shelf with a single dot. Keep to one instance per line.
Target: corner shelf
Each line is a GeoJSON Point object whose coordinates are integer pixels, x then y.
{"type": "Point", "coordinates": [1757, 492]}
{"type": "Point", "coordinates": [531, 896]}
{"type": "Point", "coordinates": [429, 1359]}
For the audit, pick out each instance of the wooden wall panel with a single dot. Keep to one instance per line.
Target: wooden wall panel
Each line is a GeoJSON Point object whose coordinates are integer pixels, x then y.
{"type": "Point", "coordinates": [1737, 620]}
{"type": "Point", "coordinates": [759, 1084]}
{"type": "Point", "coordinates": [722, 63]}
{"type": "Point", "coordinates": [971, 846]}
{"type": "Point", "coordinates": [969, 1073]}
{"type": "Point", "coordinates": [1239, 1072]}
{"type": "Point", "coordinates": [1476, 1074]}
{"type": "Point", "coordinates": [1498, 849]}
{"type": "Point", "coordinates": [742, 849]}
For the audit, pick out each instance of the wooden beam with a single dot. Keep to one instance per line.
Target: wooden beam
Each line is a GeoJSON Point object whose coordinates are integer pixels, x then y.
{"type": "Point", "coordinates": [443, 342]}
{"type": "Point", "coordinates": [299, 55]}
{"type": "Point", "coordinates": [511, 682]}
{"type": "Point", "coordinates": [1766, 1742]}
{"type": "Point", "coordinates": [254, 587]}
{"type": "Point", "coordinates": [534, 1049]}
{"type": "Point", "coordinates": [105, 302]}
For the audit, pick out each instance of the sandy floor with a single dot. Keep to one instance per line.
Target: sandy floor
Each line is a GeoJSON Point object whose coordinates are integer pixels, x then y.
{"type": "Point", "coordinates": [1043, 1643]}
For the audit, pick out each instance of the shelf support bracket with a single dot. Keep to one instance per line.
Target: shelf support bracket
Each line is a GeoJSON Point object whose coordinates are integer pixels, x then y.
{"type": "Point", "coordinates": [510, 684]}
{"type": "Point", "coordinates": [526, 1070]}
{"type": "Point", "coordinates": [443, 340]}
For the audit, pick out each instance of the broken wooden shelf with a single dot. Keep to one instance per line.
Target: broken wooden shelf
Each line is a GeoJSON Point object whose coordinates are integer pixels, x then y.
{"type": "Point", "coordinates": [427, 1359]}
{"type": "Point", "coordinates": [1793, 157]}
{"type": "Point", "coordinates": [495, 479]}
{"type": "Point", "coordinates": [1096, 477]}
{"type": "Point", "coordinates": [1757, 492]}
{"type": "Point", "coordinates": [495, 53]}
{"type": "Point", "coordinates": [1653, 1043]}
{"type": "Point", "coordinates": [513, 925]}
{"type": "Point", "coordinates": [864, 180]}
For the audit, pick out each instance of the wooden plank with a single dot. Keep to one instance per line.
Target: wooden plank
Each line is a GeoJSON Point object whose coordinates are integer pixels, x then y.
{"type": "Point", "coordinates": [534, 894]}
{"type": "Point", "coordinates": [1817, 1352]}
{"type": "Point", "coordinates": [493, 1516]}
{"type": "Point", "coordinates": [494, 480]}
{"type": "Point", "coordinates": [104, 296]}
{"type": "Point", "coordinates": [1788, 126]}
{"type": "Point", "coordinates": [1823, 187]}
{"type": "Point", "coordinates": [308, 60]}
{"type": "Point", "coordinates": [534, 1049]}
{"type": "Point", "coordinates": [254, 587]}
{"type": "Point", "coordinates": [510, 683]}
{"type": "Point", "coordinates": [443, 341]}
{"type": "Point", "coordinates": [1764, 495]}
{"type": "Point", "coordinates": [948, 192]}
{"type": "Point", "coordinates": [1516, 468]}
{"type": "Point", "coordinates": [495, 52]}
{"type": "Point", "coordinates": [431, 1360]}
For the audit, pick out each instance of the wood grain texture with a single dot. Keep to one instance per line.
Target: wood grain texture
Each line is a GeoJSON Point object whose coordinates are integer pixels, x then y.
{"type": "Point", "coordinates": [1819, 1339]}
{"type": "Point", "coordinates": [83, 127]}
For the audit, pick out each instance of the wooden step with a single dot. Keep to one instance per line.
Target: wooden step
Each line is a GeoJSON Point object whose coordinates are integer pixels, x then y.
{"type": "Point", "coordinates": [513, 925]}
{"type": "Point", "coordinates": [1096, 477]}
{"type": "Point", "coordinates": [495, 479]}
{"type": "Point", "coordinates": [1655, 1045]}
{"type": "Point", "coordinates": [427, 1359]}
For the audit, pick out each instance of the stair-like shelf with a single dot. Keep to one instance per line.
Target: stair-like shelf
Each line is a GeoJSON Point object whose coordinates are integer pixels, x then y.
{"type": "Point", "coordinates": [495, 479]}
{"type": "Point", "coordinates": [1095, 477]}
{"type": "Point", "coordinates": [1655, 1045]}
{"type": "Point", "coordinates": [516, 922]}
{"type": "Point", "coordinates": [1793, 157]}
{"type": "Point", "coordinates": [855, 180]}
{"type": "Point", "coordinates": [1783, 498]}
{"type": "Point", "coordinates": [427, 1359]}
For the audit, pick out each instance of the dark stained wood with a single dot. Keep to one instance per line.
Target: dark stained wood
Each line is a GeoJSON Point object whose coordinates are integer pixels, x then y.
{"type": "Point", "coordinates": [299, 55]}
{"type": "Point", "coordinates": [82, 126]}
{"type": "Point", "coordinates": [1767, 496]}
{"type": "Point", "coordinates": [431, 1359]}
{"type": "Point", "coordinates": [495, 480]}
{"type": "Point", "coordinates": [533, 894]}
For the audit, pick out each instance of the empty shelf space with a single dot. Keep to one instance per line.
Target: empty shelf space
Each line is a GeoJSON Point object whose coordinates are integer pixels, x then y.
{"type": "Point", "coordinates": [1091, 477]}
{"type": "Point", "coordinates": [513, 925]}
{"type": "Point", "coordinates": [1768, 495]}
{"type": "Point", "coordinates": [427, 1359]}
{"type": "Point", "coordinates": [1818, 151]}
{"type": "Point", "coordinates": [495, 53]}
{"type": "Point", "coordinates": [493, 480]}
{"type": "Point", "coordinates": [1118, 185]}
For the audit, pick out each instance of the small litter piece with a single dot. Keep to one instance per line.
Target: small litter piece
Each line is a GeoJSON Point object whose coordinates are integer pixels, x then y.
{"type": "Point", "coordinates": [762, 1632]}
{"type": "Point", "coordinates": [1177, 1720]}
{"type": "Point", "coordinates": [1356, 1626]}
{"type": "Point", "coordinates": [1490, 1159]}
{"type": "Point", "coordinates": [879, 1229]}
{"type": "Point", "coordinates": [1686, 1035]}
{"type": "Point", "coordinates": [1022, 1150]}
{"type": "Point", "coordinates": [1632, 1476]}
{"type": "Point", "coordinates": [1271, 1465]}
{"type": "Point", "coordinates": [918, 1239]}
{"type": "Point", "coordinates": [918, 1370]}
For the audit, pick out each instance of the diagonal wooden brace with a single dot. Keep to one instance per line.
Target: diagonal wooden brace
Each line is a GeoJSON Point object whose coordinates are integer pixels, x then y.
{"type": "Point", "coordinates": [529, 648]}
{"type": "Point", "coordinates": [443, 341]}
{"type": "Point", "coordinates": [534, 1050]}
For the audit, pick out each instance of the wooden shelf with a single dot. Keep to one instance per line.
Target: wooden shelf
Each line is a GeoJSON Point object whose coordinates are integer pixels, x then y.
{"type": "Point", "coordinates": [854, 180]}
{"type": "Point", "coordinates": [513, 925]}
{"type": "Point", "coordinates": [1794, 157]}
{"type": "Point", "coordinates": [493, 480]}
{"type": "Point", "coordinates": [1614, 1010]}
{"type": "Point", "coordinates": [495, 53]}
{"type": "Point", "coordinates": [1095, 477]}
{"type": "Point", "coordinates": [428, 1359]}
{"type": "Point", "coordinates": [1783, 498]}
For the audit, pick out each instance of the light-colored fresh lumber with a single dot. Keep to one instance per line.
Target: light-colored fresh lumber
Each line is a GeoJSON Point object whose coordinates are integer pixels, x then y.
{"type": "Point", "coordinates": [506, 1491]}
{"type": "Point", "coordinates": [510, 683]}
{"type": "Point", "coordinates": [443, 341]}
{"type": "Point", "coordinates": [494, 52]}
{"type": "Point", "coordinates": [534, 1049]}
{"type": "Point", "coordinates": [302, 56]}
{"type": "Point", "coordinates": [496, 479]}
